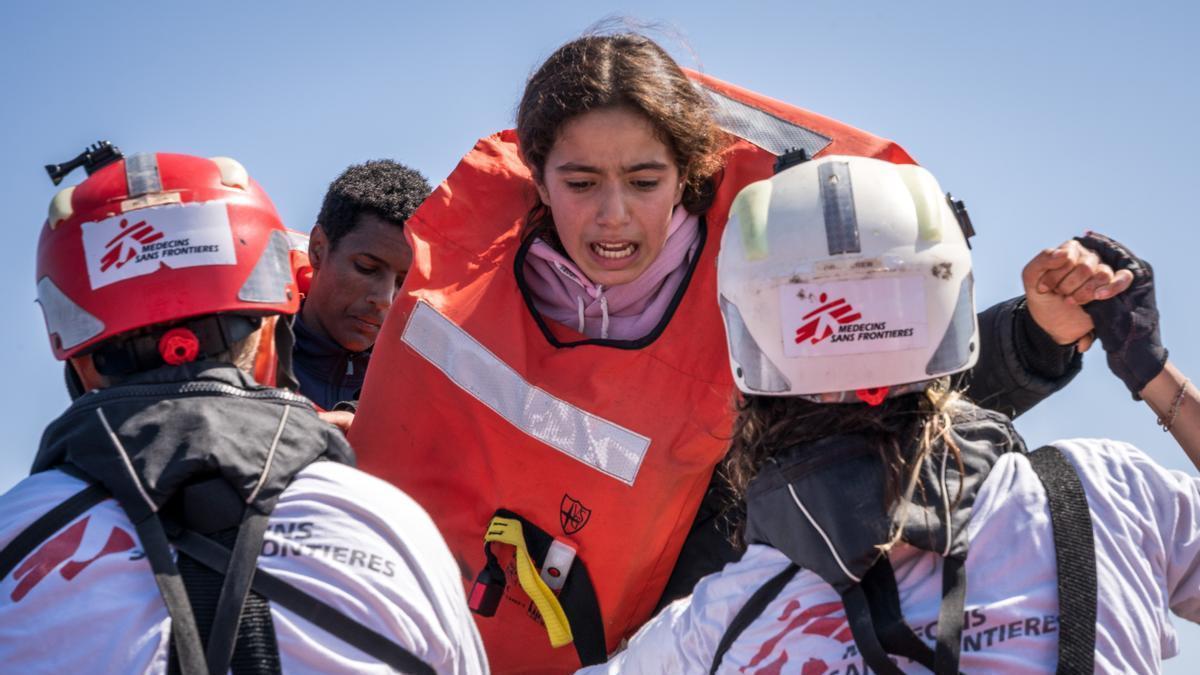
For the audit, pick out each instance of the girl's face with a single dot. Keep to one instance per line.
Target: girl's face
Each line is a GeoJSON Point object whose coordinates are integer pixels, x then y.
{"type": "Point", "coordinates": [611, 186]}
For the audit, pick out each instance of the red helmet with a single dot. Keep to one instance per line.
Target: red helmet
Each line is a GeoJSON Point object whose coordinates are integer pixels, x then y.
{"type": "Point", "coordinates": [157, 238]}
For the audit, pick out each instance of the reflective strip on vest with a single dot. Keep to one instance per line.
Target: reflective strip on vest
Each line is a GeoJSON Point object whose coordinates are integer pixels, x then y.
{"type": "Point", "coordinates": [771, 133]}
{"type": "Point", "coordinates": [602, 445]}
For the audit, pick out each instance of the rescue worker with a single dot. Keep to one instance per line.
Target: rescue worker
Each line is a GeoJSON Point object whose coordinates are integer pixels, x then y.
{"type": "Point", "coordinates": [554, 379]}
{"type": "Point", "coordinates": [359, 258]}
{"type": "Point", "coordinates": [894, 526]}
{"type": "Point", "coordinates": [180, 516]}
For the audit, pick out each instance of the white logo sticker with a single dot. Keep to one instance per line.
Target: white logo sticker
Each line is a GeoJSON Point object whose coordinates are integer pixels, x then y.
{"type": "Point", "coordinates": [138, 243]}
{"type": "Point", "coordinates": [852, 317]}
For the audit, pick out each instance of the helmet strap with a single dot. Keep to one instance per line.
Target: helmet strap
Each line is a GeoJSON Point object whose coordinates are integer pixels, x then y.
{"type": "Point", "coordinates": [199, 339]}
{"type": "Point", "coordinates": [285, 341]}
{"type": "Point", "coordinates": [75, 387]}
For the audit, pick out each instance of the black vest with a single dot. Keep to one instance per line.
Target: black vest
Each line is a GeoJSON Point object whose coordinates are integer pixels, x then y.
{"type": "Point", "coordinates": [822, 505]}
{"type": "Point", "coordinates": [197, 456]}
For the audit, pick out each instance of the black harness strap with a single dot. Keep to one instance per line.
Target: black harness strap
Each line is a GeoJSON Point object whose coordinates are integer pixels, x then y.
{"type": "Point", "coordinates": [750, 611]}
{"type": "Point", "coordinates": [257, 651]}
{"type": "Point", "coordinates": [951, 615]}
{"type": "Point", "coordinates": [184, 632]}
{"type": "Point", "coordinates": [43, 528]}
{"type": "Point", "coordinates": [319, 613]}
{"type": "Point", "coordinates": [214, 508]}
{"type": "Point", "coordinates": [883, 601]}
{"type": "Point", "coordinates": [858, 614]}
{"type": "Point", "coordinates": [1074, 558]}
{"type": "Point", "coordinates": [234, 591]}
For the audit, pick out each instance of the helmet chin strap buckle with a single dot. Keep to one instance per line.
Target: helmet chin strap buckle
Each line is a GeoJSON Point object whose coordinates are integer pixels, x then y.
{"type": "Point", "coordinates": [873, 396]}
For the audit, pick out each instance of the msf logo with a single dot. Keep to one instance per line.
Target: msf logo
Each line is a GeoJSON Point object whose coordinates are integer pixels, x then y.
{"type": "Point", "coordinates": [62, 549]}
{"type": "Point", "coordinates": [120, 250]}
{"type": "Point", "coordinates": [826, 620]}
{"type": "Point", "coordinates": [823, 321]}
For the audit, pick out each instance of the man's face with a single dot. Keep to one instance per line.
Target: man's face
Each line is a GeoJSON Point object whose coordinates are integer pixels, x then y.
{"type": "Point", "coordinates": [353, 284]}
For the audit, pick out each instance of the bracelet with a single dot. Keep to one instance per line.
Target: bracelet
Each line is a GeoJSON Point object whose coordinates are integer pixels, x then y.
{"type": "Point", "coordinates": [1175, 406]}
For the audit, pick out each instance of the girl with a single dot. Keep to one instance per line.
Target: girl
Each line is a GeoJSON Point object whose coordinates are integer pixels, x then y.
{"type": "Point", "coordinates": [554, 379]}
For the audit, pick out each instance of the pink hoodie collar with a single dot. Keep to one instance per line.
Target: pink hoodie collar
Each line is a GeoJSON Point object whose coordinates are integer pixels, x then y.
{"type": "Point", "coordinates": [629, 311]}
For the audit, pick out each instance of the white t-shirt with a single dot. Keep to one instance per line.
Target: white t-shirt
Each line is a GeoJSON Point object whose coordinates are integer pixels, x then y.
{"type": "Point", "coordinates": [85, 601]}
{"type": "Point", "coordinates": [1146, 522]}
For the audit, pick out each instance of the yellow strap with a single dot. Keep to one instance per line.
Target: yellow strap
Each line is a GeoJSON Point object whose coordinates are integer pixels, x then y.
{"type": "Point", "coordinates": [508, 531]}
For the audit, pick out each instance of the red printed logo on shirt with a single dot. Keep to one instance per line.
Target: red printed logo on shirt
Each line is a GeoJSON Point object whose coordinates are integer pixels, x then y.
{"type": "Point", "coordinates": [825, 620]}
{"type": "Point", "coordinates": [62, 548]}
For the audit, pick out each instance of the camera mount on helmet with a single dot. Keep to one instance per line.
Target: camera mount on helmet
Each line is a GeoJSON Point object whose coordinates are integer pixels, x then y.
{"type": "Point", "coordinates": [92, 159]}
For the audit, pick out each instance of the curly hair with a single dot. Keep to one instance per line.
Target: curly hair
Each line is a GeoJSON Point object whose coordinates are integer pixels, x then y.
{"type": "Point", "coordinates": [381, 187]}
{"type": "Point", "coordinates": [596, 72]}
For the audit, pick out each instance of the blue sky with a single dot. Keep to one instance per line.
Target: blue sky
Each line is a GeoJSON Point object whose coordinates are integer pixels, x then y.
{"type": "Point", "coordinates": [1047, 118]}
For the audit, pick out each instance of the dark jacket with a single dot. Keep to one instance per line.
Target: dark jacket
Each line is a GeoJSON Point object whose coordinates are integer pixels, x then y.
{"type": "Point", "coordinates": [328, 373]}
{"type": "Point", "coordinates": [176, 423]}
{"type": "Point", "coordinates": [1019, 366]}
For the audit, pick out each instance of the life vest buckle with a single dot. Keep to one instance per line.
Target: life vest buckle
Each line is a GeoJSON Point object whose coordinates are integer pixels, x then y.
{"type": "Point", "coordinates": [487, 590]}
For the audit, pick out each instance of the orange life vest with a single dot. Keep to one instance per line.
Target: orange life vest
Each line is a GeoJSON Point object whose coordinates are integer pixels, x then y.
{"type": "Point", "coordinates": [469, 407]}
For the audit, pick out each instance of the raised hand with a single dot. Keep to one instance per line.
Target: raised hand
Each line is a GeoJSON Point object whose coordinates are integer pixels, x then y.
{"type": "Point", "coordinates": [1060, 281]}
{"type": "Point", "coordinates": [1127, 324]}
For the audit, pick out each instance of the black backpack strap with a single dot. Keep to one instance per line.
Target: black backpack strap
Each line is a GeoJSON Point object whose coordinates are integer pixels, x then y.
{"type": "Point", "coordinates": [319, 613]}
{"type": "Point", "coordinates": [750, 611]}
{"type": "Point", "coordinates": [1074, 559]}
{"type": "Point", "coordinates": [257, 650]}
{"type": "Point", "coordinates": [184, 633]}
{"type": "Point", "coordinates": [44, 527]}
{"type": "Point", "coordinates": [883, 602]}
{"type": "Point", "coordinates": [858, 615]}
{"type": "Point", "coordinates": [235, 624]}
{"type": "Point", "coordinates": [884, 630]}
{"type": "Point", "coordinates": [234, 591]}
{"type": "Point", "coordinates": [948, 649]}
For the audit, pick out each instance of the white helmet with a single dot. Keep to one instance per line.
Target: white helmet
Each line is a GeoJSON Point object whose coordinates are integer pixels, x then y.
{"type": "Point", "coordinates": [846, 274]}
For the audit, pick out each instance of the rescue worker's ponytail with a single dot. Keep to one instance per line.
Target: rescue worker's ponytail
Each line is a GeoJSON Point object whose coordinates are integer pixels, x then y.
{"type": "Point", "coordinates": [903, 430]}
